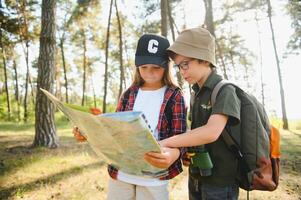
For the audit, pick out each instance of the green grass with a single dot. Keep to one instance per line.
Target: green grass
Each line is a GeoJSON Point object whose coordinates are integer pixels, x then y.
{"type": "Point", "coordinates": [9, 126]}
{"type": "Point", "coordinates": [72, 171]}
{"type": "Point", "coordinates": [28, 173]}
{"type": "Point", "coordinates": [294, 125]}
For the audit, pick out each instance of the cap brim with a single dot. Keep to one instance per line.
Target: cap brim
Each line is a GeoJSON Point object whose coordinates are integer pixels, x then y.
{"type": "Point", "coordinates": [143, 60]}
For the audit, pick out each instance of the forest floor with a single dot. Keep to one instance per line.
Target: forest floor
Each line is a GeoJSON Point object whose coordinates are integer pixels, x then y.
{"type": "Point", "coordinates": [73, 171]}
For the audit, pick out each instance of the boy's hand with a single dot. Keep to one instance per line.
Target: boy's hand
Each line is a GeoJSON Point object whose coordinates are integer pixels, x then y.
{"type": "Point", "coordinates": [162, 159]}
{"type": "Point", "coordinates": [163, 143]}
{"type": "Point", "coordinates": [78, 136]}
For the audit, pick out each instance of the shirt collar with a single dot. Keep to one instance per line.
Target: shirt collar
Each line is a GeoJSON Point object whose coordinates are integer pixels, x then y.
{"type": "Point", "coordinates": [210, 83]}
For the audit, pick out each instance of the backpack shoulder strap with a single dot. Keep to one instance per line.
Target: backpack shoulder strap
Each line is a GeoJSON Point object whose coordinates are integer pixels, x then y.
{"type": "Point", "coordinates": [217, 88]}
{"type": "Point", "coordinates": [226, 136]}
{"type": "Point", "coordinates": [230, 142]}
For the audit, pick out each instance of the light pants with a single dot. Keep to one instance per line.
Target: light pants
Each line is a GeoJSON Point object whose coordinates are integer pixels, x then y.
{"type": "Point", "coordinates": [119, 190]}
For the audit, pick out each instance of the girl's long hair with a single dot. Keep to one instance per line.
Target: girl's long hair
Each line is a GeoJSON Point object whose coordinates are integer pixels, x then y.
{"type": "Point", "coordinates": [166, 80]}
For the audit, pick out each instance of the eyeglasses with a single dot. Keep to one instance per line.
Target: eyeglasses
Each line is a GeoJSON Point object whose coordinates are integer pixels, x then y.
{"type": "Point", "coordinates": [184, 65]}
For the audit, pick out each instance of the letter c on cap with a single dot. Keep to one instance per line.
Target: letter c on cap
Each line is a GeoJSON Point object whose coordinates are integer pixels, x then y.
{"type": "Point", "coordinates": [153, 46]}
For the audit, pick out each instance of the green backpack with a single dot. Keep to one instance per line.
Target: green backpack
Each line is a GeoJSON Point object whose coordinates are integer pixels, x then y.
{"type": "Point", "coordinates": [258, 168]}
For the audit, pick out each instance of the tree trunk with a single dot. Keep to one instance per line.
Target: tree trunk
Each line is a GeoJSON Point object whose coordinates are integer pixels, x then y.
{"type": "Point", "coordinates": [260, 58]}
{"type": "Point", "coordinates": [246, 77]}
{"type": "Point", "coordinates": [45, 134]}
{"type": "Point", "coordinates": [94, 95]}
{"type": "Point", "coordinates": [27, 82]}
{"type": "Point", "coordinates": [232, 63]}
{"type": "Point", "coordinates": [284, 117]}
{"type": "Point", "coordinates": [171, 24]}
{"type": "Point", "coordinates": [17, 89]}
{"type": "Point", "coordinates": [62, 40]}
{"type": "Point", "coordinates": [24, 39]}
{"type": "Point", "coordinates": [171, 21]}
{"type": "Point", "coordinates": [209, 17]}
{"type": "Point", "coordinates": [26, 91]}
{"type": "Point", "coordinates": [106, 61]}
{"type": "Point", "coordinates": [210, 27]}
{"type": "Point", "coordinates": [29, 75]}
{"type": "Point", "coordinates": [5, 76]}
{"type": "Point", "coordinates": [58, 91]}
{"type": "Point", "coordinates": [164, 17]}
{"type": "Point", "coordinates": [126, 74]}
{"type": "Point", "coordinates": [120, 50]}
{"type": "Point", "coordinates": [84, 68]}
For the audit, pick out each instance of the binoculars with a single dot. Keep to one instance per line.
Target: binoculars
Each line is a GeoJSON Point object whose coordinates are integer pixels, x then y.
{"type": "Point", "coordinates": [200, 161]}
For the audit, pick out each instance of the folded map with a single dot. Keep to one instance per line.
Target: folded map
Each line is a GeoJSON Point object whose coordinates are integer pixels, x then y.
{"type": "Point", "coordinates": [120, 139]}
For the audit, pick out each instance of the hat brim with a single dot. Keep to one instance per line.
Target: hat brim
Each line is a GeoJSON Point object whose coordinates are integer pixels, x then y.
{"type": "Point", "coordinates": [143, 60]}
{"type": "Point", "coordinates": [191, 52]}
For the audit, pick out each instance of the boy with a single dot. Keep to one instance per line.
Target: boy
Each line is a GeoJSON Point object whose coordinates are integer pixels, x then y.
{"type": "Point", "coordinates": [193, 53]}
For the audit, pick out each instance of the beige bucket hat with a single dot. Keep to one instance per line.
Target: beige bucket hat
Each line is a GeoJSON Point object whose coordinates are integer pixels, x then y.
{"type": "Point", "coordinates": [195, 43]}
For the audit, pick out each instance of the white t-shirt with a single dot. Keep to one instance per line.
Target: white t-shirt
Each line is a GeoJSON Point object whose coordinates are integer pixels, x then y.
{"type": "Point", "coordinates": [149, 102]}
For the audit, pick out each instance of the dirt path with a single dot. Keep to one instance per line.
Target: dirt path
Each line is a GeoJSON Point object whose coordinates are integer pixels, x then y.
{"type": "Point", "coordinates": [178, 186]}
{"type": "Point", "coordinates": [289, 189]}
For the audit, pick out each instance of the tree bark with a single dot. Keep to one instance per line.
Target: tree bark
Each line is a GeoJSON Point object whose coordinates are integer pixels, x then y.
{"type": "Point", "coordinates": [45, 130]}
{"type": "Point", "coordinates": [171, 21]}
{"type": "Point", "coordinates": [164, 18]}
{"type": "Point", "coordinates": [25, 117]}
{"type": "Point", "coordinates": [209, 17]}
{"type": "Point", "coordinates": [210, 27]}
{"type": "Point", "coordinates": [5, 76]}
{"type": "Point", "coordinates": [106, 61]}
{"type": "Point", "coordinates": [17, 89]}
{"type": "Point", "coordinates": [260, 58]}
{"type": "Point", "coordinates": [284, 117]}
{"type": "Point", "coordinates": [29, 75]}
{"type": "Point", "coordinates": [232, 63]}
{"type": "Point", "coordinates": [84, 67]}
{"type": "Point", "coordinates": [171, 24]}
{"type": "Point", "coordinates": [120, 50]}
{"type": "Point", "coordinates": [94, 95]}
{"type": "Point", "coordinates": [58, 87]}
{"type": "Point", "coordinates": [62, 40]}
{"type": "Point", "coordinates": [24, 37]}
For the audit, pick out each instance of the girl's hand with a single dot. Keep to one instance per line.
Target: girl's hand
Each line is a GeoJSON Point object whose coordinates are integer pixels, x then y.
{"type": "Point", "coordinates": [162, 159]}
{"type": "Point", "coordinates": [78, 136]}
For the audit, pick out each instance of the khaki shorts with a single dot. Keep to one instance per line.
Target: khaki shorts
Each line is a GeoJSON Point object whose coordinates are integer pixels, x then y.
{"type": "Point", "coordinates": [119, 190]}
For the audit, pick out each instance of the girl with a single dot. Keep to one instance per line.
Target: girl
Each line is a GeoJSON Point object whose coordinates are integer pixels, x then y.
{"type": "Point", "coordinates": [162, 103]}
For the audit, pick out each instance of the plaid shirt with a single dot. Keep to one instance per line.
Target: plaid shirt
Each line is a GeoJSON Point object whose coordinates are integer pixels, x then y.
{"type": "Point", "coordinates": [166, 127]}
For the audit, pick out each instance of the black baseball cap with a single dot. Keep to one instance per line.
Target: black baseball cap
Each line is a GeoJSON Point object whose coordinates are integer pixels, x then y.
{"type": "Point", "coordinates": [151, 49]}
